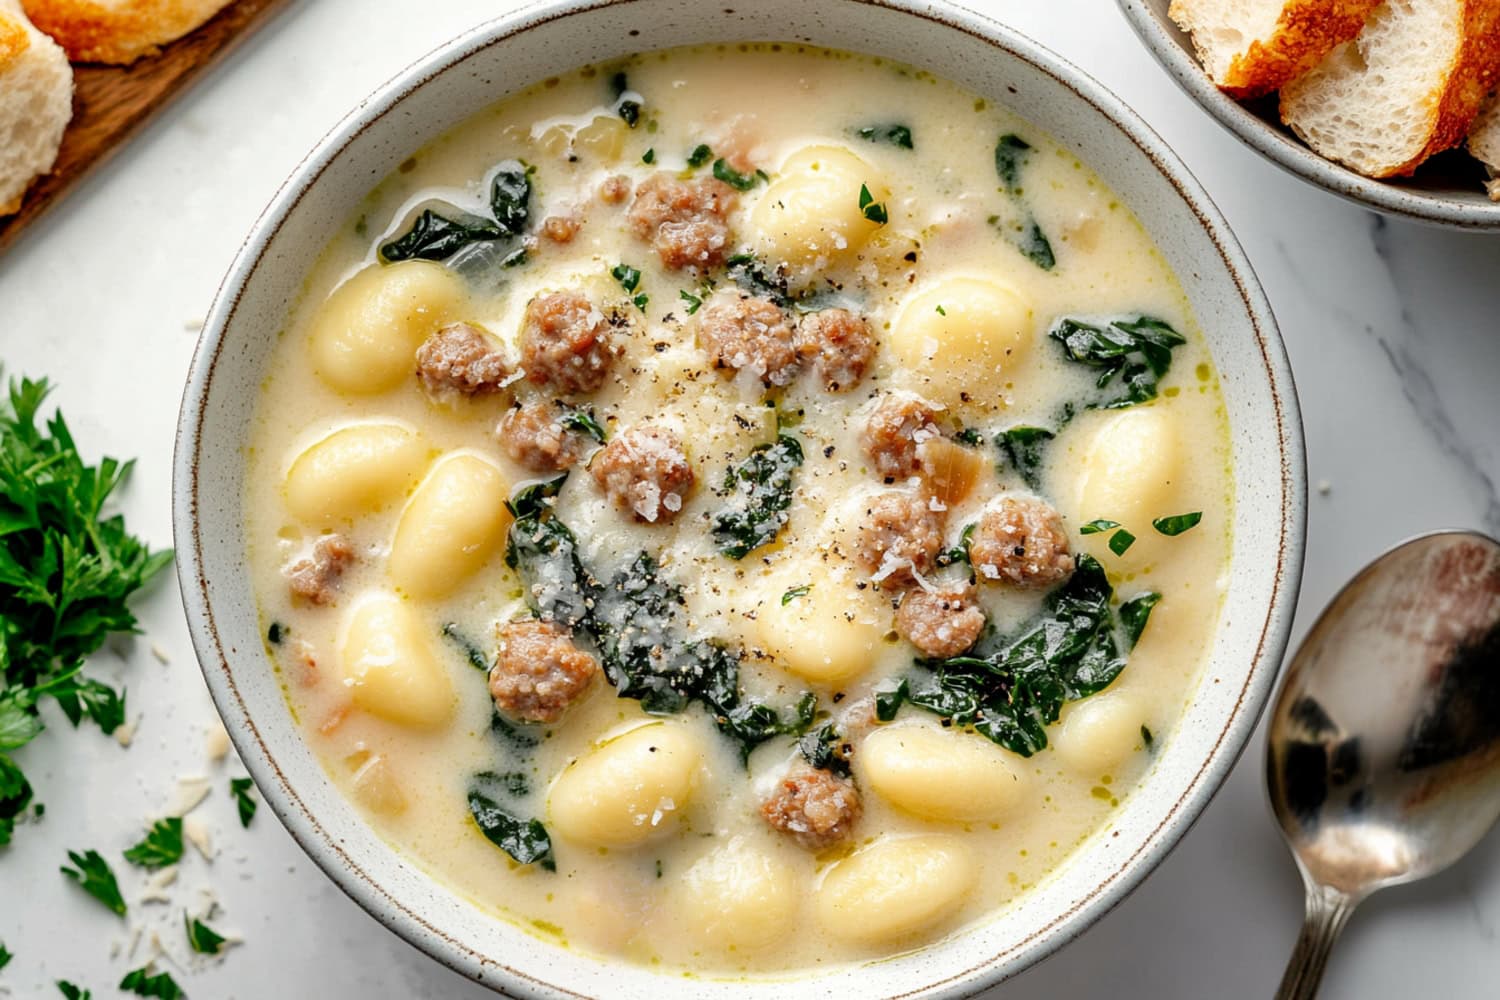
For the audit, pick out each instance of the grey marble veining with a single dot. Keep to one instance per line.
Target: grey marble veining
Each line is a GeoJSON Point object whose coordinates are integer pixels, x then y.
{"type": "Point", "coordinates": [1392, 333]}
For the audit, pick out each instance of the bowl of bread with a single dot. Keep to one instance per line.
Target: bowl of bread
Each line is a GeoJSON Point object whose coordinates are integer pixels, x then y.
{"type": "Point", "coordinates": [1393, 104]}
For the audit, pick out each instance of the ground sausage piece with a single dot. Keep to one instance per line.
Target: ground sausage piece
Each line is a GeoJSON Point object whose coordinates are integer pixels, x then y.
{"type": "Point", "coordinates": [538, 672]}
{"type": "Point", "coordinates": [566, 342]}
{"type": "Point", "coordinates": [839, 346]}
{"type": "Point", "coordinates": [315, 579]}
{"type": "Point", "coordinates": [684, 220]}
{"type": "Point", "coordinates": [533, 436]}
{"type": "Point", "coordinates": [743, 332]}
{"type": "Point", "coordinates": [459, 358]}
{"type": "Point", "coordinates": [560, 228]}
{"type": "Point", "coordinates": [1023, 542]}
{"type": "Point", "coordinates": [942, 622]}
{"type": "Point", "coordinates": [817, 807]}
{"type": "Point", "coordinates": [645, 471]}
{"type": "Point", "coordinates": [615, 189]}
{"type": "Point", "coordinates": [898, 424]}
{"type": "Point", "coordinates": [899, 536]}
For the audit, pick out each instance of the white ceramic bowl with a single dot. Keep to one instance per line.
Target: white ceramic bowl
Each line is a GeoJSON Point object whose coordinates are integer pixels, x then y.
{"type": "Point", "coordinates": [1447, 191]}
{"type": "Point", "coordinates": [497, 59]}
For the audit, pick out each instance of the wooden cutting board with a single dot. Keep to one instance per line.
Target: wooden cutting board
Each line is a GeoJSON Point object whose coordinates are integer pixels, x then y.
{"type": "Point", "coordinates": [111, 102]}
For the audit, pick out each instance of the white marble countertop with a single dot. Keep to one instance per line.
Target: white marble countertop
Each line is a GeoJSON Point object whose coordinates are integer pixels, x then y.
{"type": "Point", "coordinates": [1393, 336]}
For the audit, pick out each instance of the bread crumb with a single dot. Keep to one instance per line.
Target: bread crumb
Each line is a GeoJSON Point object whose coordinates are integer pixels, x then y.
{"type": "Point", "coordinates": [191, 791]}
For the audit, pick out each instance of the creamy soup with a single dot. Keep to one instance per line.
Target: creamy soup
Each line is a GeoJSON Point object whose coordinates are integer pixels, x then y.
{"type": "Point", "coordinates": [741, 509]}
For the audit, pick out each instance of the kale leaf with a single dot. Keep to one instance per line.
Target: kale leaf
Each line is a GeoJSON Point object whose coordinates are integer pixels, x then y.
{"type": "Point", "coordinates": [1011, 688]}
{"type": "Point", "coordinates": [760, 492]}
{"type": "Point", "coordinates": [1132, 356]}
{"type": "Point", "coordinates": [510, 198]}
{"type": "Point", "coordinates": [1024, 449]}
{"type": "Point", "coordinates": [544, 554]}
{"type": "Point", "coordinates": [526, 840]}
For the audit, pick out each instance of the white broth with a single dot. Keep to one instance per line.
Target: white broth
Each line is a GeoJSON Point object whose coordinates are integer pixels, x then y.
{"type": "Point", "coordinates": [909, 278]}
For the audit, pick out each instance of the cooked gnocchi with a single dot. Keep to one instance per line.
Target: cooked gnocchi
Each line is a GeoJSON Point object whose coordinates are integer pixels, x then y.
{"type": "Point", "coordinates": [740, 537]}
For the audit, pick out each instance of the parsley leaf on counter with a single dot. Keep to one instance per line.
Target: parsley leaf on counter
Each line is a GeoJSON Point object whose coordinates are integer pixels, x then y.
{"type": "Point", "coordinates": [66, 572]}
{"type": "Point", "coordinates": [5, 956]}
{"type": "Point", "coordinates": [143, 984]}
{"type": "Point", "coordinates": [240, 789]}
{"type": "Point", "coordinates": [93, 873]}
{"type": "Point", "coordinates": [203, 939]}
{"type": "Point", "coordinates": [73, 992]}
{"type": "Point", "coordinates": [162, 845]}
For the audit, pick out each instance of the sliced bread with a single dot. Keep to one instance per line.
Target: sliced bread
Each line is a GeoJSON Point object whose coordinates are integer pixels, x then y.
{"type": "Point", "coordinates": [1409, 86]}
{"type": "Point", "coordinates": [36, 102]}
{"type": "Point", "coordinates": [118, 31]}
{"type": "Point", "coordinates": [1484, 143]}
{"type": "Point", "coordinates": [1253, 47]}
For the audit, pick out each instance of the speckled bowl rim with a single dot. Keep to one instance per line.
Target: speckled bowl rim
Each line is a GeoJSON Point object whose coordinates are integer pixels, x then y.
{"type": "Point", "coordinates": [962, 975]}
{"type": "Point", "coordinates": [1170, 47]}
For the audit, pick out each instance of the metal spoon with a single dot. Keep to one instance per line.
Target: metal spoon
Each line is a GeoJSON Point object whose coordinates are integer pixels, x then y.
{"type": "Point", "coordinates": [1383, 754]}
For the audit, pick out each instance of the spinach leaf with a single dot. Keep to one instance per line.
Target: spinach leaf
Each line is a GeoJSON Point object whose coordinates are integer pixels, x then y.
{"type": "Point", "coordinates": [534, 499]}
{"type": "Point", "coordinates": [960, 552]}
{"type": "Point", "coordinates": [472, 653]}
{"type": "Point", "coordinates": [437, 237]}
{"type": "Point", "coordinates": [1011, 693]}
{"type": "Point", "coordinates": [1024, 449]}
{"type": "Point", "coordinates": [544, 554]}
{"type": "Point", "coordinates": [700, 155]}
{"type": "Point", "coordinates": [875, 211]}
{"type": "Point", "coordinates": [896, 135]}
{"type": "Point", "coordinates": [760, 491]}
{"type": "Point", "coordinates": [626, 106]}
{"type": "Point", "coordinates": [525, 840]}
{"type": "Point", "coordinates": [93, 873]}
{"type": "Point", "coordinates": [510, 198]}
{"type": "Point", "coordinates": [825, 749]}
{"type": "Point", "coordinates": [1177, 523]}
{"type": "Point", "coordinates": [244, 803]}
{"type": "Point", "coordinates": [1134, 614]}
{"type": "Point", "coordinates": [161, 846]}
{"type": "Point", "coordinates": [740, 182]}
{"type": "Point", "coordinates": [582, 420]}
{"type": "Point", "coordinates": [521, 736]}
{"type": "Point", "coordinates": [1011, 153]}
{"type": "Point", "coordinates": [1132, 356]}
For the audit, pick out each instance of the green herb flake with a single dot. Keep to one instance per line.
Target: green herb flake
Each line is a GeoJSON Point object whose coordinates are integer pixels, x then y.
{"type": "Point", "coordinates": [694, 303]}
{"type": "Point", "coordinates": [1098, 526]}
{"type": "Point", "coordinates": [143, 984]}
{"type": "Point", "coordinates": [876, 212]}
{"type": "Point", "coordinates": [93, 873]}
{"type": "Point", "coordinates": [628, 277]}
{"type": "Point", "coordinates": [201, 938]}
{"type": "Point", "coordinates": [740, 182]}
{"type": "Point", "coordinates": [970, 437]}
{"type": "Point", "coordinates": [641, 300]}
{"type": "Point", "coordinates": [941, 311]}
{"type": "Point", "coordinates": [1011, 153]}
{"type": "Point", "coordinates": [700, 155]}
{"type": "Point", "coordinates": [1177, 523]}
{"type": "Point", "coordinates": [67, 572]}
{"type": "Point", "coordinates": [649, 156]}
{"type": "Point", "coordinates": [825, 749]}
{"type": "Point", "coordinates": [472, 653]}
{"type": "Point", "coordinates": [1148, 740]}
{"type": "Point", "coordinates": [72, 992]}
{"type": "Point", "coordinates": [893, 134]}
{"type": "Point", "coordinates": [1121, 541]}
{"type": "Point", "coordinates": [1024, 449]}
{"type": "Point", "coordinates": [240, 789]}
{"type": "Point", "coordinates": [162, 845]}
{"type": "Point", "coordinates": [276, 633]}
{"type": "Point", "coordinates": [5, 956]}
{"type": "Point", "coordinates": [794, 593]}
{"type": "Point", "coordinates": [582, 420]}
{"type": "Point", "coordinates": [525, 840]}
{"type": "Point", "coordinates": [626, 105]}
{"type": "Point", "coordinates": [960, 552]}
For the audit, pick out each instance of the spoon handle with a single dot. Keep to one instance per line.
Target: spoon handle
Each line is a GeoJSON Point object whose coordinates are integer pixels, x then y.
{"type": "Point", "coordinates": [1327, 912]}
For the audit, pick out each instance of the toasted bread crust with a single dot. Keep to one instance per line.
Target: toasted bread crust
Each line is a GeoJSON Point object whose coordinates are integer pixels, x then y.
{"type": "Point", "coordinates": [120, 32]}
{"type": "Point", "coordinates": [1306, 31]}
{"type": "Point", "coordinates": [14, 41]}
{"type": "Point", "coordinates": [1476, 73]}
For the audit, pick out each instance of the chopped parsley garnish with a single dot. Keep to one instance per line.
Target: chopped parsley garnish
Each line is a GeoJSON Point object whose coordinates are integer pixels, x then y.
{"type": "Point", "coordinates": [162, 845]}
{"type": "Point", "coordinates": [1010, 688]}
{"type": "Point", "coordinates": [794, 593]}
{"type": "Point", "coordinates": [93, 873]}
{"type": "Point", "coordinates": [896, 135]}
{"type": "Point", "coordinates": [72, 992]}
{"type": "Point", "coordinates": [240, 789]}
{"type": "Point", "coordinates": [969, 436]}
{"type": "Point", "coordinates": [740, 182]}
{"type": "Point", "coordinates": [700, 155]}
{"type": "Point", "coordinates": [641, 300]}
{"type": "Point", "coordinates": [1097, 526]}
{"type": "Point", "coordinates": [649, 156]}
{"type": "Point", "coordinates": [876, 212]}
{"type": "Point", "coordinates": [5, 956]}
{"type": "Point", "coordinates": [694, 303]}
{"type": "Point", "coordinates": [1177, 523]}
{"type": "Point", "coordinates": [1121, 541]}
{"type": "Point", "coordinates": [760, 494]}
{"type": "Point", "coordinates": [628, 277]}
{"type": "Point", "coordinates": [66, 574]}
{"type": "Point", "coordinates": [143, 984]}
{"type": "Point", "coordinates": [202, 938]}
{"type": "Point", "coordinates": [941, 311]}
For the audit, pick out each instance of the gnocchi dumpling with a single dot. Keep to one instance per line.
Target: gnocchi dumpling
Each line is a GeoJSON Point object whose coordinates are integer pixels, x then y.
{"type": "Point", "coordinates": [960, 339]}
{"type": "Point", "coordinates": [365, 337]}
{"type": "Point", "coordinates": [389, 667]}
{"type": "Point", "coordinates": [811, 214]}
{"type": "Point", "coordinates": [895, 887]}
{"type": "Point", "coordinates": [737, 897]}
{"type": "Point", "coordinates": [452, 525]}
{"type": "Point", "coordinates": [1097, 733]}
{"type": "Point", "coordinates": [353, 471]}
{"type": "Point", "coordinates": [939, 773]}
{"type": "Point", "coordinates": [1131, 474]}
{"type": "Point", "coordinates": [825, 631]}
{"type": "Point", "coordinates": [627, 790]}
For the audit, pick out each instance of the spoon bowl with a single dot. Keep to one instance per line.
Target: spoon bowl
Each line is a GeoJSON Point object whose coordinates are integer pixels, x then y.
{"type": "Point", "coordinates": [1383, 753]}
